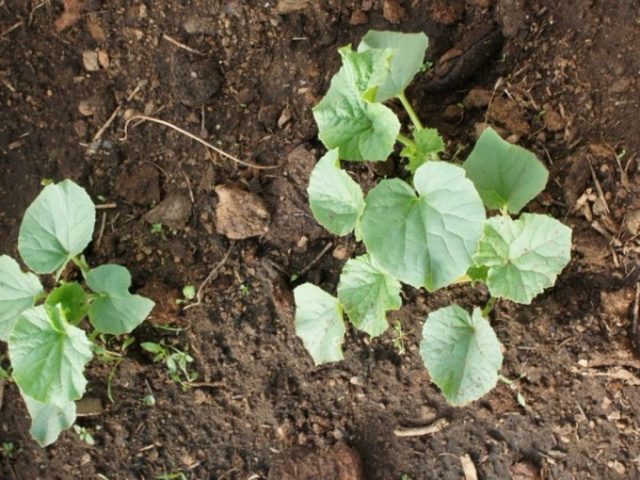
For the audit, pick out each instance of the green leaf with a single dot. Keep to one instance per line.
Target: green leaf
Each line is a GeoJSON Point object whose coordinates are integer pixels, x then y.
{"type": "Point", "coordinates": [359, 129]}
{"type": "Point", "coordinates": [367, 292]}
{"type": "Point", "coordinates": [115, 311]}
{"type": "Point", "coordinates": [18, 291]}
{"type": "Point", "coordinates": [428, 144]}
{"type": "Point", "coordinates": [48, 356]}
{"type": "Point", "coordinates": [48, 420]}
{"type": "Point", "coordinates": [523, 256]}
{"type": "Point", "coordinates": [57, 226]}
{"type": "Point", "coordinates": [73, 300]}
{"type": "Point", "coordinates": [336, 200]}
{"type": "Point", "coordinates": [408, 57]}
{"type": "Point", "coordinates": [366, 71]}
{"type": "Point", "coordinates": [319, 323]}
{"type": "Point", "coordinates": [461, 352]}
{"type": "Point", "coordinates": [507, 176]}
{"type": "Point", "coordinates": [424, 240]}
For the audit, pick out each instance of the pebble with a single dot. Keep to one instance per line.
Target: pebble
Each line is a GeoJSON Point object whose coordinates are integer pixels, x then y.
{"type": "Point", "coordinates": [173, 212]}
{"type": "Point", "coordinates": [90, 60]}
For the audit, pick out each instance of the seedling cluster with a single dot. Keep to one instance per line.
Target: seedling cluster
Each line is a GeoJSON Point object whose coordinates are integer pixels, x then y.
{"type": "Point", "coordinates": [432, 230]}
{"type": "Point", "coordinates": [47, 349]}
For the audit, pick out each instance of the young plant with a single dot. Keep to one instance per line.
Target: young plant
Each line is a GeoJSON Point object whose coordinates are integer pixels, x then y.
{"type": "Point", "coordinates": [428, 231]}
{"type": "Point", "coordinates": [176, 361]}
{"type": "Point", "coordinates": [47, 349]}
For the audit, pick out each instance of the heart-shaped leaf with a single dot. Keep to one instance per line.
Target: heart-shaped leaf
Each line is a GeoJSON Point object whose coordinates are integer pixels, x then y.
{"type": "Point", "coordinates": [48, 420]}
{"type": "Point", "coordinates": [367, 292]}
{"type": "Point", "coordinates": [73, 300]}
{"type": "Point", "coordinates": [408, 58]}
{"type": "Point", "coordinates": [319, 323]}
{"type": "Point", "coordinates": [361, 130]}
{"type": "Point", "coordinates": [115, 310]}
{"type": "Point", "coordinates": [507, 176]}
{"type": "Point", "coordinates": [336, 200]}
{"type": "Point", "coordinates": [366, 71]}
{"type": "Point", "coordinates": [461, 352]}
{"type": "Point", "coordinates": [426, 239]}
{"type": "Point", "coordinates": [57, 226]}
{"type": "Point", "coordinates": [18, 291]}
{"type": "Point", "coordinates": [48, 356]}
{"type": "Point", "coordinates": [523, 256]}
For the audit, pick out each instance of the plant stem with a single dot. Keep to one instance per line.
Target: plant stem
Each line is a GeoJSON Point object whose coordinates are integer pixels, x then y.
{"type": "Point", "coordinates": [81, 263]}
{"type": "Point", "coordinates": [403, 139]}
{"type": "Point", "coordinates": [488, 308]}
{"type": "Point", "coordinates": [412, 114]}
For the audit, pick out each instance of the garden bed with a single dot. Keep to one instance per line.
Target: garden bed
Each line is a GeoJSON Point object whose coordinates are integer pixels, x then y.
{"type": "Point", "coordinates": [559, 79]}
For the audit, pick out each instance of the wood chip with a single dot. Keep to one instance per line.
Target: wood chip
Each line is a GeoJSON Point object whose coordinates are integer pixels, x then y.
{"type": "Point", "coordinates": [435, 427]}
{"type": "Point", "coordinates": [468, 467]}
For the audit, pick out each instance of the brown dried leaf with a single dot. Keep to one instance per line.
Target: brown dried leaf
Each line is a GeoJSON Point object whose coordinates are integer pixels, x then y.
{"type": "Point", "coordinates": [72, 11]}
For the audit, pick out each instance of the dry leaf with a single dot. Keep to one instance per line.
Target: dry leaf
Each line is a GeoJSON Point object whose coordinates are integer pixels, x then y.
{"type": "Point", "coordinates": [72, 11]}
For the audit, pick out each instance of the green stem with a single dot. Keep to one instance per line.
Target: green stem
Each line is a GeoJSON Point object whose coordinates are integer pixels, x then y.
{"type": "Point", "coordinates": [412, 114]}
{"type": "Point", "coordinates": [82, 264]}
{"type": "Point", "coordinates": [488, 308]}
{"type": "Point", "coordinates": [403, 139]}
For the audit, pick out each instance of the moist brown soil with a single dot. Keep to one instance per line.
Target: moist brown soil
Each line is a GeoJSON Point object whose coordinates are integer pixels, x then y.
{"type": "Point", "coordinates": [562, 80]}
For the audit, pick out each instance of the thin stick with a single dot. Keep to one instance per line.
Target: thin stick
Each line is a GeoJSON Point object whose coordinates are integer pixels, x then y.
{"type": "Point", "coordinates": [435, 427]}
{"type": "Point", "coordinates": [102, 225]}
{"type": "Point", "coordinates": [316, 259]}
{"type": "Point", "coordinates": [599, 188]}
{"type": "Point", "coordinates": [182, 45]}
{"type": "Point", "coordinates": [11, 29]}
{"type": "Point", "coordinates": [106, 206]}
{"type": "Point", "coordinates": [110, 120]}
{"type": "Point", "coordinates": [196, 138]}
{"type": "Point", "coordinates": [208, 279]}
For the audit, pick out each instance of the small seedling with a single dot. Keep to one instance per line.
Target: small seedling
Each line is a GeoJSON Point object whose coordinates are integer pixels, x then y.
{"type": "Point", "coordinates": [188, 294]}
{"type": "Point", "coordinates": [399, 338]}
{"type": "Point", "coordinates": [429, 231]}
{"type": "Point", "coordinates": [176, 361]}
{"type": "Point", "coordinates": [84, 434]}
{"type": "Point", "coordinates": [245, 289]}
{"type": "Point", "coordinates": [156, 228]}
{"type": "Point", "coordinates": [8, 450]}
{"type": "Point", "coordinates": [47, 348]}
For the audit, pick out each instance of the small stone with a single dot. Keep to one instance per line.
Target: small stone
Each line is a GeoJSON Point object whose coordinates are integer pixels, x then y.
{"type": "Point", "coordinates": [358, 17]}
{"type": "Point", "coordinates": [447, 12]}
{"type": "Point", "coordinates": [553, 121]}
{"type": "Point", "coordinates": [95, 29]}
{"type": "Point", "coordinates": [240, 214]}
{"type": "Point", "coordinates": [632, 222]}
{"type": "Point", "coordinates": [621, 85]}
{"type": "Point", "coordinates": [285, 7]}
{"type": "Point", "coordinates": [393, 11]}
{"type": "Point", "coordinates": [340, 252]}
{"type": "Point", "coordinates": [103, 59]}
{"type": "Point", "coordinates": [453, 114]}
{"type": "Point", "coordinates": [477, 98]}
{"type": "Point", "coordinates": [173, 212]}
{"type": "Point", "coordinates": [90, 60]}
{"type": "Point", "coordinates": [80, 127]}
{"type": "Point", "coordinates": [199, 25]}
{"type": "Point", "coordinates": [245, 96]}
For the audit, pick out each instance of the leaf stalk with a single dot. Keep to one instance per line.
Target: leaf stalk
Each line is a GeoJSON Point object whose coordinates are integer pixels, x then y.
{"type": "Point", "coordinates": [410, 111]}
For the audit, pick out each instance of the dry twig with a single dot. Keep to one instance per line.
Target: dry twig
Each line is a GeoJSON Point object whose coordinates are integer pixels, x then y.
{"type": "Point", "coordinates": [196, 138]}
{"type": "Point", "coordinates": [204, 283]}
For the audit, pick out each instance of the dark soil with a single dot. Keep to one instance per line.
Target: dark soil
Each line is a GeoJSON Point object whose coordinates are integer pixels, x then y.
{"type": "Point", "coordinates": [562, 80]}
